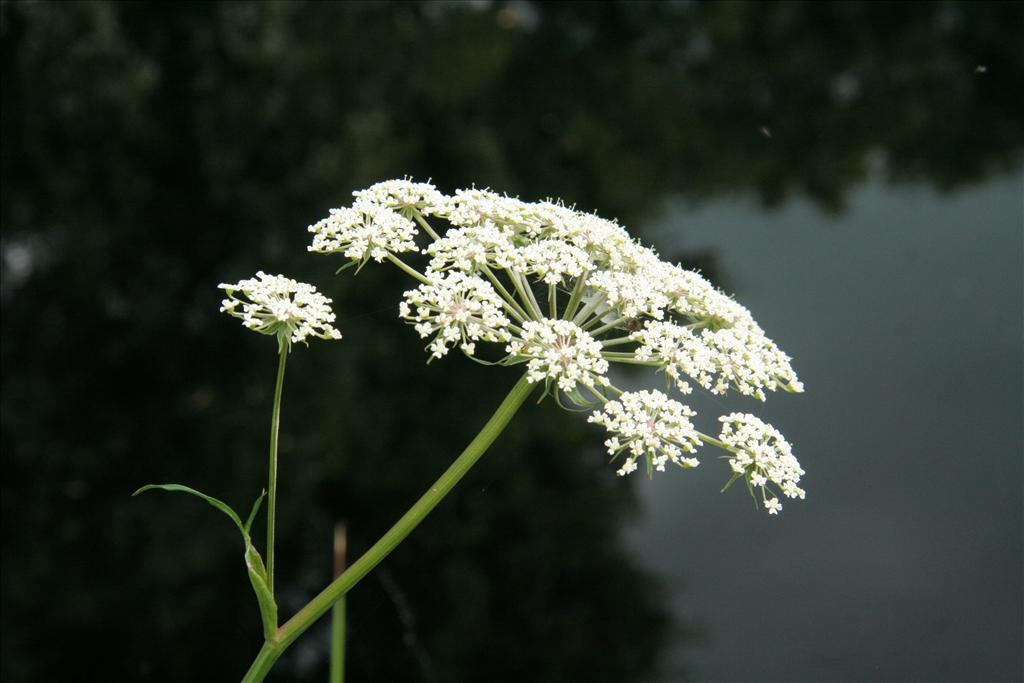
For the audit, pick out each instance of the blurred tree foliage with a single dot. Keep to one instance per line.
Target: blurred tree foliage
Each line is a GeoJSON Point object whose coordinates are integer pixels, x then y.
{"type": "Point", "coordinates": [152, 151]}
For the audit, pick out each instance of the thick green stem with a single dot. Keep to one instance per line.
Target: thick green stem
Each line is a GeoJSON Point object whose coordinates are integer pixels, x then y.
{"type": "Point", "coordinates": [275, 424]}
{"type": "Point", "coordinates": [319, 605]}
{"type": "Point", "coordinates": [265, 659]}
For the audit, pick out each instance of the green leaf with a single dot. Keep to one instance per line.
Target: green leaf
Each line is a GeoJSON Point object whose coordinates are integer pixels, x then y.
{"type": "Point", "coordinates": [258, 579]}
{"type": "Point", "coordinates": [253, 561]}
{"type": "Point", "coordinates": [255, 509]}
{"type": "Point", "coordinates": [219, 504]}
{"type": "Point", "coordinates": [345, 267]}
{"type": "Point", "coordinates": [729, 483]}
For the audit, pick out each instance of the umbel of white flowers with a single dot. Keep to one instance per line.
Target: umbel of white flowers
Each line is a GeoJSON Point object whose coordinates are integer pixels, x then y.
{"type": "Point", "coordinates": [279, 306]}
{"type": "Point", "coordinates": [568, 293]}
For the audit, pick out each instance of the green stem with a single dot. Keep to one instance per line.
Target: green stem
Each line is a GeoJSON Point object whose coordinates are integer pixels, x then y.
{"type": "Point", "coordinates": [526, 294]}
{"type": "Point", "coordinates": [609, 326]}
{"type": "Point", "coordinates": [533, 299]}
{"type": "Point", "coordinates": [715, 442]}
{"type": "Point", "coordinates": [628, 358]}
{"type": "Point", "coordinates": [510, 302]}
{"type": "Point", "coordinates": [574, 298]}
{"type": "Point", "coordinates": [337, 670]}
{"type": "Point", "coordinates": [618, 340]}
{"type": "Point", "coordinates": [319, 605]}
{"type": "Point", "coordinates": [589, 308]}
{"type": "Point", "coordinates": [275, 424]}
{"type": "Point", "coordinates": [407, 269]}
{"type": "Point", "coordinates": [426, 226]}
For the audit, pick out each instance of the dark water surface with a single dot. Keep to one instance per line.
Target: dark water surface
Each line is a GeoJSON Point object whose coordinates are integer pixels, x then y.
{"type": "Point", "coordinates": [851, 171]}
{"type": "Point", "coordinates": [904, 562]}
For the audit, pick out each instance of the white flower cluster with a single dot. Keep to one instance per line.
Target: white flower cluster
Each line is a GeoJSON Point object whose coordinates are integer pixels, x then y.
{"type": "Point", "coordinates": [366, 230]}
{"type": "Point", "coordinates": [402, 196]}
{"type": "Point", "coordinates": [762, 455]}
{"type": "Point", "coordinates": [559, 350]}
{"type": "Point", "coordinates": [471, 249]}
{"type": "Point", "coordinates": [278, 305]}
{"type": "Point", "coordinates": [456, 309]}
{"type": "Point", "coordinates": [649, 425]}
{"type": "Point", "coordinates": [552, 261]}
{"type": "Point", "coordinates": [567, 293]}
{"type": "Point", "coordinates": [740, 357]}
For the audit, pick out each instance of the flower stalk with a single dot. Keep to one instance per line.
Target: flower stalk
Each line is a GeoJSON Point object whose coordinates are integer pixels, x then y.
{"type": "Point", "coordinates": [275, 427]}
{"type": "Point", "coordinates": [319, 605]}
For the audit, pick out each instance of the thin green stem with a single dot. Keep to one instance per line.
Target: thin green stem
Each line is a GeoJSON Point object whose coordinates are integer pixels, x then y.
{"type": "Point", "coordinates": [407, 269]}
{"type": "Point", "coordinates": [528, 292]}
{"type": "Point", "coordinates": [618, 340]}
{"type": "Point", "coordinates": [275, 425]}
{"type": "Point", "coordinates": [553, 301]}
{"type": "Point", "coordinates": [628, 359]}
{"type": "Point", "coordinates": [337, 670]}
{"type": "Point", "coordinates": [609, 326]}
{"type": "Point", "coordinates": [588, 309]}
{"type": "Point", "coordinates": [526, 295]}
{"type": "Point", "coordinates": [574, 298]}
{"type": "Point", "coordinates": [426, 226]}
{"type": "Point", "coordinates": [511, 305]}
{"type": "Point", "coordinates": [715, 442]}
{"type": "Point", "coordinates": [319, 605]}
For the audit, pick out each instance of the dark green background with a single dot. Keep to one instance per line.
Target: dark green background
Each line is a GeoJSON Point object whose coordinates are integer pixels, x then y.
{"type": "Point", "coordinates": [150, 152]}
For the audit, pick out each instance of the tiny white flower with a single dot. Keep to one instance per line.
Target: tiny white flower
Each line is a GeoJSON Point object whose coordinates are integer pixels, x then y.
{"type": "Point", "coordinates": [278, 305]}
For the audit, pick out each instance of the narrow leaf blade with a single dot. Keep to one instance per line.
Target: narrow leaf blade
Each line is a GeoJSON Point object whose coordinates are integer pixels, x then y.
{"type": "Point", "coordinates": [178, 488]}
{"type": "Point", "coordinates": [252, 514]}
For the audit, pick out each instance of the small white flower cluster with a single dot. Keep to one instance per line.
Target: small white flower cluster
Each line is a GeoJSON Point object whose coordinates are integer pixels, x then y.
{"type": "Point", "coordinates": [366, 230]}
{"type": "Point", "coordinates": [552, 261]}
{"type": "Point", "coordinates": [650, 425]}
{"type": "Point", "coordinates": [738, 357]}
{"type": "Point", "coordinates": [631, 294]}
{"type": "Point", "coordinates": [402, 196]}
{"type": "Point", "coordinates": [472, 249]}
{"type": "Point", "coordinates": [762, 455]}
{"type": "Point", "coordinates": [559, 350]}
{"type": "Point", "coordinates": [567, 293]}
{"type": "Point", "coordinates": [457, 309]}
{"type": "Point", "coordinates": [278, 305]}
